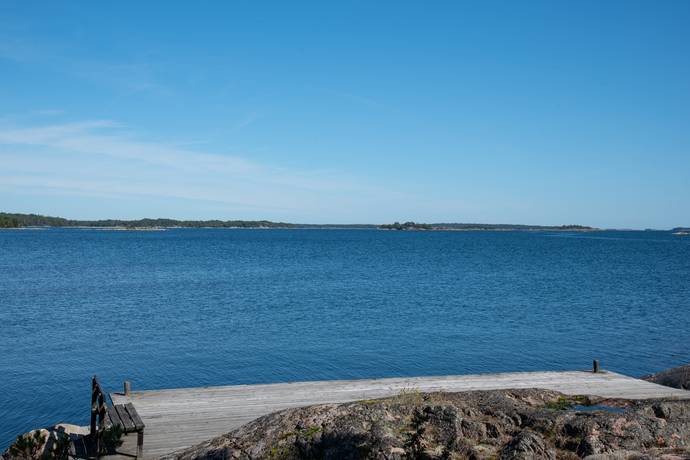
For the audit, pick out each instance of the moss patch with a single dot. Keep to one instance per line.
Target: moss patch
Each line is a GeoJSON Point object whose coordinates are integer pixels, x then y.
{"type": "Point", "coordinates": [562, 403]}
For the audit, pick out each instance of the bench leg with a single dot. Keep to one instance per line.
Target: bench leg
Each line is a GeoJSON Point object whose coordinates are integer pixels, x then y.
{"type": "Point", "coordinates": [140, 445]}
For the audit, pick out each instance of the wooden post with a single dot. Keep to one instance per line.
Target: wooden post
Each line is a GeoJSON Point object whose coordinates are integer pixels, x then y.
{"type": "Point", "coordinates": [101, 410]}
{"type": "Point", "coordinates": [127, 387]}
{"type": "Point", "coordinates": [140, 445]}
{"type": "Point", "coordinates": [94, 406]}
{"type": "Point", "coordinates": [595, 366]}
{"type": "Point", "coordinates": [101, 420]}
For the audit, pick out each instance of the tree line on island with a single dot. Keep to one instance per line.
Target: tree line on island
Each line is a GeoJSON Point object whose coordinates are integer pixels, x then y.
{"type": "Point", "coordinates": [470, 226]}
{"type": "Point", "coordinates": [10, 220]}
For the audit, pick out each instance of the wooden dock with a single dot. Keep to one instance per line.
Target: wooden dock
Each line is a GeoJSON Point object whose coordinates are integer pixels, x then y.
{"type": "Point", "coordinates": [179, 418]}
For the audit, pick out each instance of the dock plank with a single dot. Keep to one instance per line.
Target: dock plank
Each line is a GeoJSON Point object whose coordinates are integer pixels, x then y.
{"type": "Point", "coordinates": [179, 418]}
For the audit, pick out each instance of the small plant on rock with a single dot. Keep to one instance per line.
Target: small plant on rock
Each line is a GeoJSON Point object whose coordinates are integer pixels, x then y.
{"type": "Point", "coordinates": [415, 445]}
{"type": "Point", "coordinates": [112, 439]}
{"type": "Point", "coordinates": [59, 448]}
{"type": "Point", "coordinates": [28, 446]}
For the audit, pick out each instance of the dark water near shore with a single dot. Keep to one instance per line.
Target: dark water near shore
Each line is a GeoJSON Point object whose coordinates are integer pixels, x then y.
{"type": "Point", "coordinates": [212, 307]}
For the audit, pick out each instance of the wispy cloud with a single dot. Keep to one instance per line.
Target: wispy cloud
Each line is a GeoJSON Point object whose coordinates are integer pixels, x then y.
{"type": "Point", "coordinates": [97, 137]}
{"type": "Point", "coordinates": [356, 98]}
{"type": "Point", "coordinates": [129, 77]}
{"type": "Point", "coordinates": [248, 120]}
{"type": "Point", "coordinates": [102, 158]}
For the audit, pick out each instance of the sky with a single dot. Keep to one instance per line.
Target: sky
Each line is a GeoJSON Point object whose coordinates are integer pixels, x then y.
{"type": "Point", "coordinates": [553, 112]}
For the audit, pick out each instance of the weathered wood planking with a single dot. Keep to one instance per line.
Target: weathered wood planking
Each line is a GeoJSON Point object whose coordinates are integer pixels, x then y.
{"type": "Point", "coordinates": [179, 418]}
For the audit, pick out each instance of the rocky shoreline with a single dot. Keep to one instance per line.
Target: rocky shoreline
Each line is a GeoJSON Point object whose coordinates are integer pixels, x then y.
{"type": "Point", "coordinates": [501, 424]}
{"type": "Point", "coordinates": [677, 377]}
{"type": "Point", "coordinates": [498, 424]}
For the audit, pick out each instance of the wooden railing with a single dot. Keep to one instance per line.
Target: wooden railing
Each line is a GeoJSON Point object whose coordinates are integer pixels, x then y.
{"type": "Point", "coordinates": [98, 410]}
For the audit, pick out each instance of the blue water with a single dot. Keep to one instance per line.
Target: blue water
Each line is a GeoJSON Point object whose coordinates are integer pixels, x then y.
{"type": "Point", "coordinates": [599, 408]}
{"type": "Point", "coordinates": [194, 307]}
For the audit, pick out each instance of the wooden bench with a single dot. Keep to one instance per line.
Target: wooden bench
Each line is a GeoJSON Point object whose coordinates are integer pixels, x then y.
{"type": "Point", "coordinates": [104, 417]}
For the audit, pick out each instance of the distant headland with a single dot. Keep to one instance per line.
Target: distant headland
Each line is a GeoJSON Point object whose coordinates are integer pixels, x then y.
{"type": "Point", "coordinates": [14, 220]}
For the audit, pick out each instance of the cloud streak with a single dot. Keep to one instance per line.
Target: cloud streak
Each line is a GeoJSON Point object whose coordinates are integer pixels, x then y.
{"type": "Point", "coordinates": [102, 158]}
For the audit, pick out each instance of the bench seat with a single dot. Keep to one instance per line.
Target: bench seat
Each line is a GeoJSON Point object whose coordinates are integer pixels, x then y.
{"type": "Point", "coordinates": [125, 416]}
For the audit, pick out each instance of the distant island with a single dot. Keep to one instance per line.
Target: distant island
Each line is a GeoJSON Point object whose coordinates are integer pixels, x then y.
{"type": "Point", "coordinates": [493, 227]}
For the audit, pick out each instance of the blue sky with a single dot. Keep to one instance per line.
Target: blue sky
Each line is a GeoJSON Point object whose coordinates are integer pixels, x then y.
{"type": "Point", "coordinates": [503, 112]}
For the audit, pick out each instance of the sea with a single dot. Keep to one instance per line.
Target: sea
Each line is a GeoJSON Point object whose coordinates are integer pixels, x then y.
{"type": "Point", "coordinates": [197, 307]}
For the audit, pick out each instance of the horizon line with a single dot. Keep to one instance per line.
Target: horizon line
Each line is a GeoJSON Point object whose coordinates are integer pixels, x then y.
{"type": "Point", "coordinates": [332, 224]}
